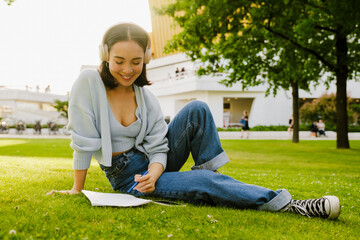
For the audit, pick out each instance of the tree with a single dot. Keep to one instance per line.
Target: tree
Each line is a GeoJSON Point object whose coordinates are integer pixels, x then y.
{"type": "Point", "coordinates": [243, 31]}
{"type": "Point", "coordinates": [292, 70]}
{"type": "Point", "coordinates": [62, 108]}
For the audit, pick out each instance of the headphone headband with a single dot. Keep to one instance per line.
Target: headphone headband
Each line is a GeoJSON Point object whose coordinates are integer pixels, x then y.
{"type": "Point", "coordinates": [104, 49]}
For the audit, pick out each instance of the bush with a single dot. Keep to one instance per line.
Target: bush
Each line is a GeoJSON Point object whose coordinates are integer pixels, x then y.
{"type": "Point", "coordinates": [258, 128]}
{"type": "Point", "coordinates": [270, 128]}
{"type": "Point", "coordinates": [325, 108]}
{"type": "Point", "coordinates": [354, 128]}
{"type": "Point", "coordinates": [228, 129]}
{"type": "Point", "coordinates": [302, 127]}
{"type": "Point", "coordinates": [354, 113]}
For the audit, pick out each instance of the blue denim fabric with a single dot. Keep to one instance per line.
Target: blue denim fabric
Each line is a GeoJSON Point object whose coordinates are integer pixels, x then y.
{"type": "Point", "coordinates": [193, 130]}
{"type": "Point", "coordinates": [124, 167]}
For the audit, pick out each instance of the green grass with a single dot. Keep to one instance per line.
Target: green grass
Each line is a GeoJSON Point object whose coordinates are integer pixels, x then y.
{"type": "Point", "coordinates": [31, 168]}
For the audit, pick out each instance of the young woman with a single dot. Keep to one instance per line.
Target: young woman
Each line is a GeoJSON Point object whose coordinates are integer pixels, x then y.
{"type": "Point", "coordinates": [245, 124]}
{"type": "Point", "coordinates": [113, 118]}
{"type": "Point", "coordinates": [291, 125]}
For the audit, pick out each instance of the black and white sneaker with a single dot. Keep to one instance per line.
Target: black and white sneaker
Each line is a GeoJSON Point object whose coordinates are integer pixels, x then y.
{"type": "Point", "coordinates": [326, 207]}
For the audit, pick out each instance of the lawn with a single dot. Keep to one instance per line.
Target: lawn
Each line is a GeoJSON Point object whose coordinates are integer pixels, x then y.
{"type": "Point", "coordinates": [29, 168]}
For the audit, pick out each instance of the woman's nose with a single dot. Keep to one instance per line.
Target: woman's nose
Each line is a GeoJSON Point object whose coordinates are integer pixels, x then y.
{"type": "Point", "coordinates": [127, 69]}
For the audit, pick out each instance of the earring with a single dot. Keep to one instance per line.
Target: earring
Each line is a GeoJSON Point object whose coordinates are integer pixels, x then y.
{"type": "Point", "coordinates": [107, 64]}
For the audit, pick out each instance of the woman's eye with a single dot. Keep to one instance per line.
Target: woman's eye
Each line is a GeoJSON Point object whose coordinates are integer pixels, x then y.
{"type": "Point", "coordinates": [119, 63]}
{"type": "Point", "coordinates": [136, 63]}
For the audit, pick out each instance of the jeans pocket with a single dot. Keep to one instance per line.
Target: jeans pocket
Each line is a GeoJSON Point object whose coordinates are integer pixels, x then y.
{"type": "Point", "coordinates": [116, 168]}
{"type": "Point", "coordinates": [123, 168]}
{"type": "Point", "coordinates": [115, 173]}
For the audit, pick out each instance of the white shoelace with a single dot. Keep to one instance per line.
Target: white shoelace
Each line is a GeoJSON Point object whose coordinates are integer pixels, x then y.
{"type": "Point", "coordinates": [309, 208]}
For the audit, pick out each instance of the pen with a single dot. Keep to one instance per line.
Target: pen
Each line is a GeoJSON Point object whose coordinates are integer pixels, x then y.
{"type": "Point", "coordinates": [134, 185]}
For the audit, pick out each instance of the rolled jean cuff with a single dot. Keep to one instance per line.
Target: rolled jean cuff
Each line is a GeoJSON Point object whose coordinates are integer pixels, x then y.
{"type": "Point", "coordinates": [278, 202]}
{"type": "Point", "coordinates": [214, 164]}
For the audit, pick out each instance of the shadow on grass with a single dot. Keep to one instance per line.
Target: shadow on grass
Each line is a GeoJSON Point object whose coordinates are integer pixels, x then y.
{"type": "Point", "coordinates": [36, 148]}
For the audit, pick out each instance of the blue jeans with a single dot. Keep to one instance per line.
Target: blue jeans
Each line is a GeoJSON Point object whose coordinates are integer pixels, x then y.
{"type": "Point", "coordinates": [193, 131]}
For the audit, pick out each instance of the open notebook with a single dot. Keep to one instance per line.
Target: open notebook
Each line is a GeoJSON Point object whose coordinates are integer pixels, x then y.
{"type": "Point", "coordinates": [120, 200]}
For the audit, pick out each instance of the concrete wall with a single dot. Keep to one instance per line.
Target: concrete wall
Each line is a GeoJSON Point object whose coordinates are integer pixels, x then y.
{"type": "Point", "coordinates": [270, 110]}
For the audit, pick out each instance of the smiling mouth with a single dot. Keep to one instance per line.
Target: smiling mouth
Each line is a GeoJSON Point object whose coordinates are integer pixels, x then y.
{"type": "Point", "coordinates": [126, 77]}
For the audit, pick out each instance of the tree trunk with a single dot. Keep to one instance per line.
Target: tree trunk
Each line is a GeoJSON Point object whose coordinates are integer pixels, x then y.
{"type": "Point", "coordinates": [342, 139]}
{"type": "Point", "coordinates": [295, 106]}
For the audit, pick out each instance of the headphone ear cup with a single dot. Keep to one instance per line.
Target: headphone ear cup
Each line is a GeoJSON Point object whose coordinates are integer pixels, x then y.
{"type": "Point", "coordinates": [148, 55]}
{"type": "Point", "coordinates": [104, 52]}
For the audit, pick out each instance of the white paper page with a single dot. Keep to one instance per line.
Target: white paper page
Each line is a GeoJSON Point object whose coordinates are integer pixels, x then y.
{"type": "Point", "coordinates": [113, 199]}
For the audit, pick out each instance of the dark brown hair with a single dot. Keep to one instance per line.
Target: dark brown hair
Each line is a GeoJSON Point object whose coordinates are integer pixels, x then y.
{"type": "Point", "coordinates": [124, 32]}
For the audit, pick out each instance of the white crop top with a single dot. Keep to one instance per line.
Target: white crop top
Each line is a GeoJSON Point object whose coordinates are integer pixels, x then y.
{"type": "Point", "coordinates": [123, 138]}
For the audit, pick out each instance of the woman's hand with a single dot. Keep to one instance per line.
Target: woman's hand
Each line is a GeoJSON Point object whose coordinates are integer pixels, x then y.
{"type": "Point", "coordinates": [68, 192]}
{"type": "Point", "coordinates": [146, 184]}
{"type": "Point", "coordinates": [79, 181]}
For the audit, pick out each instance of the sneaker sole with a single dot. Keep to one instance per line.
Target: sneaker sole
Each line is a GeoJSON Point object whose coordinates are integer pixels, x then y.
{"type": "Point", "coordinates": [334, 203]}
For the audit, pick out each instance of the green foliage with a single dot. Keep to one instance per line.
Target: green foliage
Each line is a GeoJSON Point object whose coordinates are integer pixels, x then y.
{"type": "Point", "coordinates": [9, 2]}
{"type": "Point", "coordinates": [354, 113]}
{"type": "Point", "coordinates": [270, 128]}
{"type": "Point", "coordinates": [62, 108]}
{"type": "Point", "coordinates": [309, 113]}
{"type": "Point", "coordinates": [325, 108]}
{"type": "Point", "coordinates": [302, 127]}
{"type": "Point", "coordinates": [354, 128]}
{"type": "Point", "coordinates": [259, 128]}
{"type": "Point", "coordinates": [308, 169]}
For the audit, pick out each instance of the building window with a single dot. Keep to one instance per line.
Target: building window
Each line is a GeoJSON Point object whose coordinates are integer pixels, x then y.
{"type": "Point", "coordinates": [227, 106]}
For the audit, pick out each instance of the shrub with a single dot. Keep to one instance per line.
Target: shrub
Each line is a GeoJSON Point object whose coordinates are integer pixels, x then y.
{"type": "Point", "coordinates": [325, 108]}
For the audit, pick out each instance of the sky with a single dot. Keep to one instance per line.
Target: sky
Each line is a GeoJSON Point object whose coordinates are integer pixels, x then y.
{"type": "Point", "coordinates": [45, 42]}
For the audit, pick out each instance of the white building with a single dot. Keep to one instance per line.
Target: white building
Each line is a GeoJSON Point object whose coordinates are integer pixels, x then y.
{"type": "Point", "coordinates": [28, 106]}
{"type": "Point", "coordinates": [227, 104]}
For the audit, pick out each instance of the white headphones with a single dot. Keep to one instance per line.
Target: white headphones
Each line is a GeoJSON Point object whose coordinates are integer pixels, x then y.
{"type": "Point", "coordinates": [104, 50]}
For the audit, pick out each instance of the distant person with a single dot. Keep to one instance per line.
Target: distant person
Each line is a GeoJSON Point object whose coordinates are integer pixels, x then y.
{"type": "Point", "coordinates": [116, 120]}
{"type": "Point", "coordinates": [4, 127]}
{"type": "Point", "coordinates": [291, 124]}
{"type": "Point", "coordinates": [37, 127]}
{"type": "Point", "coordinates": [321, 128]}
{"type": "Point", "coordinates": [47, 89]}
{"type": "Point", "coordinates": [314, 129]}
{"type": "Point", "coordinates": [245, 124]}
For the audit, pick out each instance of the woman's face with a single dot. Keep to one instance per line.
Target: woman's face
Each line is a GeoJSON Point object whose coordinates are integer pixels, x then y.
{"type": "Point", "coordinates": [126, 60]}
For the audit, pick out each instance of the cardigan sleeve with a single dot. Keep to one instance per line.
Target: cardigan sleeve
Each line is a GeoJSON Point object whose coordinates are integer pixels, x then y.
{"type": "Point", "coordinates": [155, 141]}
{"type": "Point", "coordinates": [84, 135]}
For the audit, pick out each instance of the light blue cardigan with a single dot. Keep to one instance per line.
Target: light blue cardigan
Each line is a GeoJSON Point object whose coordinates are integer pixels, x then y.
{"type": "Point", "coordinates": [89, 123]}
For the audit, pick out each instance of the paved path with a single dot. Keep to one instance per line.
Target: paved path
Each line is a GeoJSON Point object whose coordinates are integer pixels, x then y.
{"type": "Point", "coordinates": [283, 135]}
